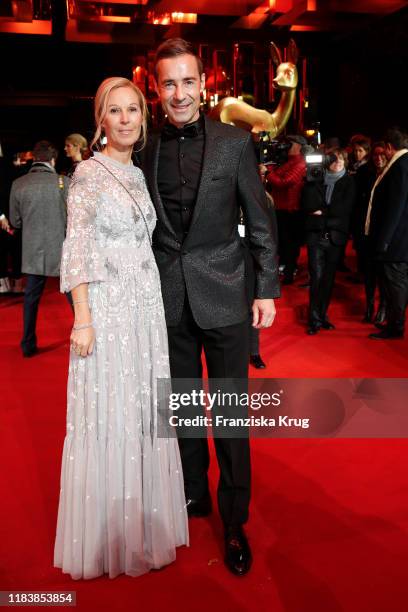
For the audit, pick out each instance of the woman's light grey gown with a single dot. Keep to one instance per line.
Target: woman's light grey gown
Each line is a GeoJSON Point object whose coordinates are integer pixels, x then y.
{"type": "Point", "coordinates": [122, 506]}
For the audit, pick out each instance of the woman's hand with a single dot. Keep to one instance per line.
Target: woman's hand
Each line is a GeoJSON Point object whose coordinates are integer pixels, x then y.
{"type": "Point", "coordinates": [83, 341]}
{"type": "Point", "coordinates": [317, 212]}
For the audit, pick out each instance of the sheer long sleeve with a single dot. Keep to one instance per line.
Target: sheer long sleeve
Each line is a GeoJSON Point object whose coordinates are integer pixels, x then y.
{"type": "Point", "coordinates": [82, 261]}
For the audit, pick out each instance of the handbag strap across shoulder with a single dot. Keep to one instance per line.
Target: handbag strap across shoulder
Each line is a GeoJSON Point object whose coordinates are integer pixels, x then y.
{"type": "Point", "coordinates": [129, 194]}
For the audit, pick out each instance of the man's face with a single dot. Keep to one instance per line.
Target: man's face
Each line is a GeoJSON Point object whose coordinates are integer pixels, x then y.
{"type": "Point", "coordinates": [379, 157]}
{"type": "Point", "coordinates": [389, 151]}
{"type": "Point", "coordinates": [179, 85]}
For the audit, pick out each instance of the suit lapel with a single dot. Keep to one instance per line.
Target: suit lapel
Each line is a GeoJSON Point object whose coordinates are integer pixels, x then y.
{"type": "Point", "coordinates": [152, 167]}
{"type": "Point", "coordinates": [210, 162]}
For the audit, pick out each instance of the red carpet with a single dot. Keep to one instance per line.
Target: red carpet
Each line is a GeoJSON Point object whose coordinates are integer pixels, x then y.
{"type": "Point", "coordinates": [329, 518]}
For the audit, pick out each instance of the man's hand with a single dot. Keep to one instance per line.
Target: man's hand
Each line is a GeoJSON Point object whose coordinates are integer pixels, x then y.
{"type": "Point", "coordinates": [262, 170]}
{"type": "Point", "coordinates": [264, 312]}
{"type": "Point", "coordinates": [4, 224]}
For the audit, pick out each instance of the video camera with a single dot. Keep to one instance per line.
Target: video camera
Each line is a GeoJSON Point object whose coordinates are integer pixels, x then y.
{"type": "Point", "coordinates": [316, 165]}
{"type": "Point", "coordinates": [270, 151]}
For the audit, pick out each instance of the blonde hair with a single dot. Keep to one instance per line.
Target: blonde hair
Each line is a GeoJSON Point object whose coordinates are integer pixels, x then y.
{"type": "Point", "coordinates": [79, 141]}
{"type": "Point", "coordinates": [101, 106]}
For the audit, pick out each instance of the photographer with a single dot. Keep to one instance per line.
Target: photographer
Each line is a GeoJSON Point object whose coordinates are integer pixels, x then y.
{"type": "Point", "coordinates": [328, 204]}
{"type": "Point", "coordinates": [285, 183]}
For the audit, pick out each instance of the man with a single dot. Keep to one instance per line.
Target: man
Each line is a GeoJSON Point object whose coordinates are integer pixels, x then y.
{"type": "Point", "coordinates": [37, 204]}
{"type": "Point", "coordinates": [285, 184]}
{"type": "Point", "coordinates": [387, 227]}
{"type": "Point", "coordinates": [200, 173]}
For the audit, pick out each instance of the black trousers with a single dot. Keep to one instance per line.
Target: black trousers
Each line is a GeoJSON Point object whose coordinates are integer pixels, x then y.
{"type": "Point", "coordinates": [290, 232]}
{"type": "Point", "coordinates": [368, 266]}
{"type": "Point", "coordinates": [323, 257]}
{"type": "Point", "coordinates": [32, 296]}
{"type": "Point", "coordinates": [226, 353]}
{"type": "Point", "coordinates": [395, 281]}
{"type": "Point", "coordinates": [253, 339]}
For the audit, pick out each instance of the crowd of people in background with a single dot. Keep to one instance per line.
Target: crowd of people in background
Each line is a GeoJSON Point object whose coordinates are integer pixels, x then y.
{"type": "Point", "coordinates": [322, 213]}
{"type": "Point", "coordinates": [326, 210]}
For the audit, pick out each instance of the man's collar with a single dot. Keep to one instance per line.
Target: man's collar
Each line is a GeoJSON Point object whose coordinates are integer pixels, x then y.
{"type": "Point", "coordinates": [190, 130]}
{"type": "Point", "coordinates": [43, 163]}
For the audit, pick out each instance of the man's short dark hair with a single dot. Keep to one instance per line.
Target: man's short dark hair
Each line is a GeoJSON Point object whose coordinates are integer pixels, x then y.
{"type": "Point", "coordinates": [396, 138]}
{"type": "Point", "coordinates": [174, 47]}
{"type": "Point", "coordinates": [44, 151]}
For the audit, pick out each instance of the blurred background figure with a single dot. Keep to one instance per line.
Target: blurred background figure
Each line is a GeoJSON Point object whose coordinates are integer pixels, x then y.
{"type": "Point", "coordinates": [387, 227]}
{"type": "Point", "coordinates": [285, 184]}
{"type": "Point", "coordinates": [365, 178]}
{"type": "Point", "coordinates": [328, 205]}
{"type": "Point", "coordinates": [329, 144]}
{"type": "Point", "coordinates": [360, 147]}
{"type": "Point", "coordinates": [10, 239]}
{"type": "Point", "coordinates": [37, 205]}
{"type": "Point", "coordinates": [76, 147]}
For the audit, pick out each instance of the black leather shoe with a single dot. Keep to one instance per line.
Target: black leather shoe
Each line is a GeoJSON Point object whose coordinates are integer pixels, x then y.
{"type": "Point", "coordinates": [385, 334]}
{"type": "Point", "coordinates": [238, 556]}
{"type": "Point", "coordinates": [30, 352]}
{"type": "Point", "coordinates": [328, 325]}
{"type": "Point", "coordinates": [313, 329]}
{"type": "Point", "coordinates": [198, 508]}
{"type": "Point", "coordinates": [368, 317]}
{"type": "Point", "coordinates": [257, 362]}
{"type": "Point", "coordinates": [380, 317]}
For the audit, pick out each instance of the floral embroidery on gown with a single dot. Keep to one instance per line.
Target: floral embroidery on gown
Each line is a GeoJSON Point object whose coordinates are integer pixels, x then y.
{"type": "Point", "coordinates": [122, 506]}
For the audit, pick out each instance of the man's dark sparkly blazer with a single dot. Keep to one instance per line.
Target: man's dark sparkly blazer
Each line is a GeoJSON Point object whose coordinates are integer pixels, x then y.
{"type": "Point", "coordinates": [209, 263]}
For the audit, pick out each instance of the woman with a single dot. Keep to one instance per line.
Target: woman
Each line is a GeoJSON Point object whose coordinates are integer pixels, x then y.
{"type": "Point", "coordinates": [360, 151]}
{"type": "Point", "coordinates": [365, 179]}
{"type": "Point", "coordinates": [328, 207]}
{"type": "Point", "coordinates": [122, 506]}
{"type": "Point", "coordinates": [76, 147]}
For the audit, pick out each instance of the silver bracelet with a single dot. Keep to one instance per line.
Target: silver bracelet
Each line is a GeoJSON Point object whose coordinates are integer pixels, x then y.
{"type": "Point", "coordinates": [80, 301]}
{"type": "Point", "coordinates": [85, 326]}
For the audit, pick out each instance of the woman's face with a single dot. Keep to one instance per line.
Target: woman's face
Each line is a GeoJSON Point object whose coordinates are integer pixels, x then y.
{"type": "Point", "coordinates": [71, 150]}
{"type": "Point", "coordinates": [338, 165]}
{"type": "Point", "coordinates": [379, 158]}
{"type": "Point", "coordinates": [123, 119]}
{"type": "Point", "coordinates": [359, 152]}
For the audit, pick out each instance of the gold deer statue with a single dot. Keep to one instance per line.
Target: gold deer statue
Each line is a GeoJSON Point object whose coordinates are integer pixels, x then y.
{"type": "Point", "coordinates": [239, 113]}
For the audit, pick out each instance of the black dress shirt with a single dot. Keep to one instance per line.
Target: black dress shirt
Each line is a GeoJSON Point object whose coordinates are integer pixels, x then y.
{"type": "Point", "coordinates": [179, 172]}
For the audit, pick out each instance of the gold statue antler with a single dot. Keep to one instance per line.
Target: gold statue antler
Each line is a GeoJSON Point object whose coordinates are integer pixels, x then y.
{"type": "Point", "coordinates": [239, 113]}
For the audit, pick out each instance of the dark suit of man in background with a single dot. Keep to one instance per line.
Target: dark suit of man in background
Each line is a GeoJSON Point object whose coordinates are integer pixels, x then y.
{"type": "Point", "coordinates": [387, 227]}
{"type": "Point", "coordinates": [200, 173]}
{"type": "Point", "coordinates": [37, 204]}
